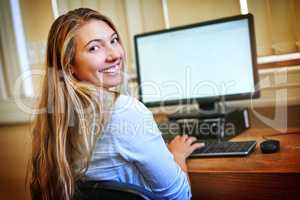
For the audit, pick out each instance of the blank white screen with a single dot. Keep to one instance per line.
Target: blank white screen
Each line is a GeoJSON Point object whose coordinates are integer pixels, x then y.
{"type": "Point", "coordinates": [205, 61]}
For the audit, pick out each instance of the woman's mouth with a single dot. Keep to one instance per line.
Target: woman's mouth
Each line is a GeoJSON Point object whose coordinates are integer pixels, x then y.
{"type": "Point", "coordinates": [111, 69]}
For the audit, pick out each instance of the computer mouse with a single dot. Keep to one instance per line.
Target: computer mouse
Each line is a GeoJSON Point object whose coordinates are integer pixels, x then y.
{"type": "Point", "coordinates": [270, 146]}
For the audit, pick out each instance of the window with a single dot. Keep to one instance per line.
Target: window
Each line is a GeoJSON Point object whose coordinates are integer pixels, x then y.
{"type": "Point", "coordinates": [3, 89]}
{"type": "Point", "coordinates": [14, 61]}
{"type": "Point", "coordinates": [20, 56]}
{"type": "Point", "coordinates": [277, 24]}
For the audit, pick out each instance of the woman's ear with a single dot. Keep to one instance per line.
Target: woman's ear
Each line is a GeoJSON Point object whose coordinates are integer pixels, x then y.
{"type": "Point", "coordinates": [71, 69]}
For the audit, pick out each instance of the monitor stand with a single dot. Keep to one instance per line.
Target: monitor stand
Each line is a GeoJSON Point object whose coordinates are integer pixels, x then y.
{"type": "Point", "coordinates": [204, 111]}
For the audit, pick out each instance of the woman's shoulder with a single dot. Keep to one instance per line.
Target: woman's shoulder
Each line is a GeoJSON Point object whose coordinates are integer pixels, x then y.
{"type": "Point", "coordinates": [132, 123]}
{"type": "Point", "coordinates": [129, 105]}
{"type": "Point", "coordinates": [131, 118]}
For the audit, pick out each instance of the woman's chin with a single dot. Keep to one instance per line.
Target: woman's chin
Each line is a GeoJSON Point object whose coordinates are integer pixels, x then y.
{"type": "Point", "coordinates": [110, 83]}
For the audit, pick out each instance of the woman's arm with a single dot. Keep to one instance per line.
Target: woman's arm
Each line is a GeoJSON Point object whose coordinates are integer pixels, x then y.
{"type": "Point", "coordinates": [141, 144]}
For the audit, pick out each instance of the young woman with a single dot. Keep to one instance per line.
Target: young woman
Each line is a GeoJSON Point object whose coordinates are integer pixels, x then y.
{"type": "Point", "coordinates": [88, 128]}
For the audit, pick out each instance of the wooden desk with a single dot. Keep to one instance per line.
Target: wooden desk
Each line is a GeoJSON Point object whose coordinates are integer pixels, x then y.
{"type": "Point", "coordinates": [257, 176]}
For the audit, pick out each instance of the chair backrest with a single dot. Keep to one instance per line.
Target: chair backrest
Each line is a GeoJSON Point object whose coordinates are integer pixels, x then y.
{"type": "Point", "coordinates": [112, 190]}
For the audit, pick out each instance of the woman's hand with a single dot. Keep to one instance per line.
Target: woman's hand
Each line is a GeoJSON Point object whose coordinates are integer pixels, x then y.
{"type": "Point", "coordinates": [181, 147]}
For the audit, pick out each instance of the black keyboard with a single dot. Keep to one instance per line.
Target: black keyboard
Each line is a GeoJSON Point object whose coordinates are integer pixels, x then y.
{"type": "Point", "coordinates": [240, 148]}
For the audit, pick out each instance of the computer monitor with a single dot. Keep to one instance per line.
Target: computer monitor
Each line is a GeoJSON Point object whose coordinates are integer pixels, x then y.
{"type": "Point", "coordinates": [203, 62]}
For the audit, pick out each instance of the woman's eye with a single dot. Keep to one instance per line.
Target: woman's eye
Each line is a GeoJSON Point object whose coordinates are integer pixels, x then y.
{"type": "Point", "coordinates": [94, 48]}
{"type": "Point", "coordinates": [115, 40]}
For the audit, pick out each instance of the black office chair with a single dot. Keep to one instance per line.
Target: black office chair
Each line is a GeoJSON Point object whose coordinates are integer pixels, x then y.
{"type": "Point", "coordinates": [112, 190]}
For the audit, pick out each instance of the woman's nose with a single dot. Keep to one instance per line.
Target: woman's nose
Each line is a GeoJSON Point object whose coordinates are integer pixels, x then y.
{"type": "Point", "coordinates": [112, 54]}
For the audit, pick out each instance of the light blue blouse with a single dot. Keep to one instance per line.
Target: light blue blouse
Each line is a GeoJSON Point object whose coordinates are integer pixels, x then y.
{"type": "Point", "coordinates": [132, 150]}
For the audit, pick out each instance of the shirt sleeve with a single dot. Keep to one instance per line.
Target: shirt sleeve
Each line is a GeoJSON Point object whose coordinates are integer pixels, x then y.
{"type": "Point", "coordinates": [140, 142]}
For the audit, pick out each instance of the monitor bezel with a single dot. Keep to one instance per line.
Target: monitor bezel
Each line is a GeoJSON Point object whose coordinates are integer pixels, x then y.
{"type": "Point", "coordinates": [240, 96]}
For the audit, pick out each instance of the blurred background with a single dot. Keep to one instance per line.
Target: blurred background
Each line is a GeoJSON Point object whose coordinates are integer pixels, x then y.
{"type": "Point", "coordinates": [24, 25]}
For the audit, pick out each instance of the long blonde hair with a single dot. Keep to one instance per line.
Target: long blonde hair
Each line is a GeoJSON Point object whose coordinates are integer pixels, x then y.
{"type": "Point", "coordinates": [74, 114]}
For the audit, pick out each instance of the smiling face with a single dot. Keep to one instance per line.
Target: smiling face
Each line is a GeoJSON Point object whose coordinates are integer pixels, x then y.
{"type": "Point", "coordinates": [99, 55]}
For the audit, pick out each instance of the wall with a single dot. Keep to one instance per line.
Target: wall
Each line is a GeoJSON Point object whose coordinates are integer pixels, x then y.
{"type": "Point", "coordinates": [14, 152]}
